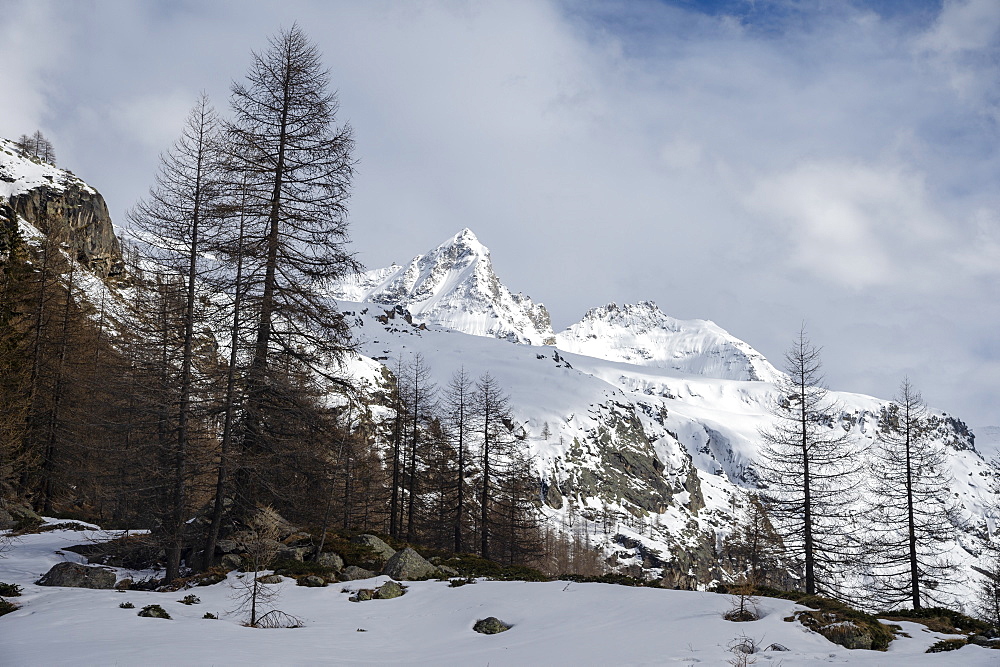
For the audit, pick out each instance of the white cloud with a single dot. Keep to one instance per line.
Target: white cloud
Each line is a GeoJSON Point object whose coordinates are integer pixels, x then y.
{"type": "Point", "coordinates": [963, 25]}
{"type": "Point", "coordinates": [29, 50]}
{"type": "Point", "coordinates": [858, 225]}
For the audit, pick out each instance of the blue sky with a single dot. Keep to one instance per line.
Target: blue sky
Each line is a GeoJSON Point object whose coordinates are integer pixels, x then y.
{"type": "Point", "coordinates": [759, 164]}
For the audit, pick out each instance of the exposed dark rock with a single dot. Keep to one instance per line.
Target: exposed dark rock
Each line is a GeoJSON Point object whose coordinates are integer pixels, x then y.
{"type": "Point", "coordinates": [445, 571]}
{"type": "Point", "coordinates": [75, 215]}
{"type": "Point", "coordinates": [312, 581]}
{"type": "Point", "coordinates": [389, 590]}
{"type": "Point", "coordinates": [352, 572]}
{"type": "Point", "coordinates": [617, 463]}
{"type": "Point", "coordinates": [407, 565]}
{"type": "Point", "coordinates": [74, 575]}
{"type": "Point", "coordinates": [270, 579]}
{"type": "Point", "coordinates": [491, 626]}
{"type": "Point", "coordinates": [13, 516]}
{"type": "Point", "coordinates": [293, 553]}
{"type": "Point", "coordinates": [841, 629]}
{"type": "Point", "coordinates": [227, 547]}
{"type": "Point", "coordinates": [331, 560]}
{"type": "Point", "coordinates": [692, 484]}
{"type": "Point", "coordinates": [553, 498]}
{"type": "Point", "coordinates": [231, 562]}
{"type": "Point", "coordinates": [363, 595]}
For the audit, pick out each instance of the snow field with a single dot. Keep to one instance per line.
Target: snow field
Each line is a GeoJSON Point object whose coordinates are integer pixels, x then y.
{"type": "Point", "coordinates": [555, 623]}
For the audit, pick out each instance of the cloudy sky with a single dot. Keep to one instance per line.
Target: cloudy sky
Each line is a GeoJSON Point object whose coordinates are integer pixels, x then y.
{"type": "Point", "coordinates": [759, 163]}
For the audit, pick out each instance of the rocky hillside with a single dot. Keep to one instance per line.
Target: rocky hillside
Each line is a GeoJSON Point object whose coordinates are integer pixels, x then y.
{"type": "Point", "coordinates": [644, 429]}
{"type": "Point", "coordinates": [60, 205]}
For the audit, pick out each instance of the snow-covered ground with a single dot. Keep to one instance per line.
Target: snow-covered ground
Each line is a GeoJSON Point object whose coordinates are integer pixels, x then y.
{"type": "Point", "coordinates": [555, 623]}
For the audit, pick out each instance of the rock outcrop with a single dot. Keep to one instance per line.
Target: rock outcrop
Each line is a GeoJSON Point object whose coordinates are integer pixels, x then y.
{"type": "Point", "coordinates": [61, 206]}
{"type": "Point", "coordinates": [78, 217]}
{"type": "Point", "coordinates": [376, 544]}
{"type": "Point", "coordinates": [491, 625]}
{"type": "Point", "coordinates": [353, 572]}
{"type": "Point", "coordinates": [407, 565]}
{"type": "Point", "coordinates": [74, 575]}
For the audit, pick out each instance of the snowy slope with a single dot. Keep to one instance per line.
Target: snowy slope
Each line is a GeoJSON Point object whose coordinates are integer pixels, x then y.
{"type": "Point", "coordinates": [555, 623]}
{"type": "Point", "coordinates": [988, 440]}
{"type": "Point", "coordinates": [641, 334]}
{"type": "Point", "coordinates": [647, 455]}
{"type": "Point", "coordinates": [454, 286]}
{"type": "Point", "coordinates": [20, 174]}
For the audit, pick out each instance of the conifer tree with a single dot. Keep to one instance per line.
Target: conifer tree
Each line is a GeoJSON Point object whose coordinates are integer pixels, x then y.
{"type": "Point", "coordinates": [809, 471]}
{"type": "Point", "coordinates": [175, 221]}
{"type": "Point", "coordinates": [492, 412]}
{"type": "Point", "coordinates": [458, 405]}
{"type": "Point", "coordinates": [913, 516]}
{"type": "Point", "coordinates": [296, 167]}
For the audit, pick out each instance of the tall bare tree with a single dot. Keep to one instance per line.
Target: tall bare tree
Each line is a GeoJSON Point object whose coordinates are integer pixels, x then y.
{"type": "Point", "coordinates": [810, 467]}
{"type": "Point", "coordinates": [174, 221]}
{"type": "Point", "coordinates": [492, 416]}
{"type": "Point", "coordinates": [297, 167]}
{"type": "Point", "coordinates": [458, 405]}
{"type": "Point", "coordinates": [914, 517]}
{"type": "Point", "coordinates": [422, 399]}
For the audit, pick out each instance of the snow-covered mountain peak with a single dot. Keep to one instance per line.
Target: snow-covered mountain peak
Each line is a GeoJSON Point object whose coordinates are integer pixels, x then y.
{"type": "Point", "coordinates": [642, 334]}
{"type": "Point", "coordinates": [454, 286]}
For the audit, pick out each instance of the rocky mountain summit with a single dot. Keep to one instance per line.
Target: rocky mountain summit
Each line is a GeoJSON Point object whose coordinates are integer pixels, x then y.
{"type": "Point", "coordinates": [454, 286]}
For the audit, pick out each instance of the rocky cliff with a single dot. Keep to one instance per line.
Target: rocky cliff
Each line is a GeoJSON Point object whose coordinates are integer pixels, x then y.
{"type": "Point", "coordinates": [62, 207]}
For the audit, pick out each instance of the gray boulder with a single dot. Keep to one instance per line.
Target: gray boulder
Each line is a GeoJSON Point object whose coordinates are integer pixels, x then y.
{"type": "Point", "coordinates": [390, 590]}
{"type": "Point", "coordinates": [362, 595]}
{"type": "Point", "coordinates": [75, 575]}
{"type": "Point", "coordinates": [445, 571]}
{"type": "Point", "coordinates": [227, 546]}
{"type": "Point", "coordinates": [12, 516]}
{"type": "Point", "coordinates": [331, 560]}
{"type": "Point", "coordinates": [270, 579]}
{"type": "Point", "coordinates": [383, 550]}
{"type": "Point", "coordinates": [491, 626]}
{"type": "Point", "coordinates": [406, 565]}
{"type": "Point", "coordinates": [312, 581]}
{"type": "Point", "coordinates": [352, 572]}
{"type": "Point", "coordinates": [231, 562]}
{"type": "Point", "coordinates": [293, 553]}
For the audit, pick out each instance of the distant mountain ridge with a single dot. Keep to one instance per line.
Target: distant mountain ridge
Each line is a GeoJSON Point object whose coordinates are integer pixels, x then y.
{"type": "Point", "coordinates": [454, 286]}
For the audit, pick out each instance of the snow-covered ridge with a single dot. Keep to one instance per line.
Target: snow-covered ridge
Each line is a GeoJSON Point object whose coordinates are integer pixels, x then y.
{"type": "Point", "coordinates": [20, 173]}
{"type": "Point", "coordinates": [643, 335]}
{"type": "Point", "coordinates": [454, 286]}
